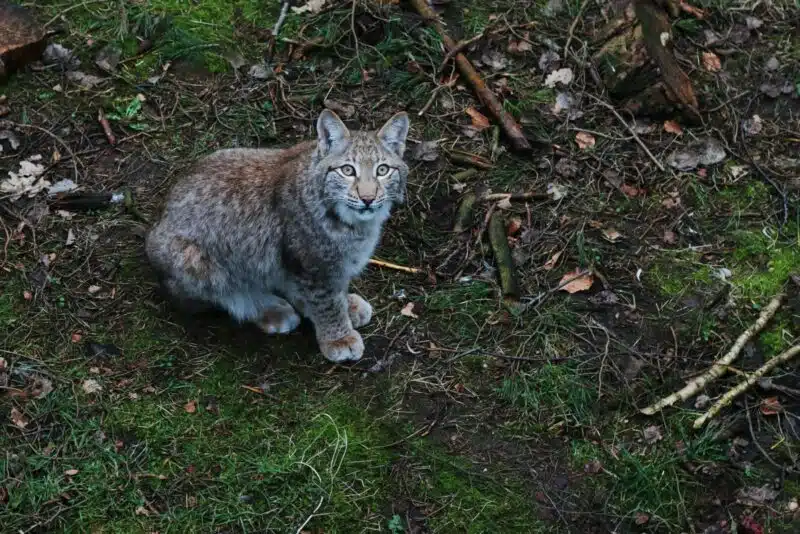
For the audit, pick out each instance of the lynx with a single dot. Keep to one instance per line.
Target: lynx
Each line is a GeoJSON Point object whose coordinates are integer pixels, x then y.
{"type": "Point", "coordinates": [272, 235]}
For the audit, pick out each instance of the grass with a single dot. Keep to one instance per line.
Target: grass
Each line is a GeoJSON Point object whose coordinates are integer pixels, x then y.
{"type": "Point", "coordinates": [204, 426]}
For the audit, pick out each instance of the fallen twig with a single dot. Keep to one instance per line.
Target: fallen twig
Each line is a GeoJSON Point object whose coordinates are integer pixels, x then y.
{"type": "Point", "coordinates": [470, 159]}
{"type": "Point", "coordinates": [720, 367]}
{"type": "Point", "coordinates": [630, 130]}
{"type": "Point", "coordinates": [464, 175]}
{"type": "Point", "coordinates": [574, 25]}
{"type": "Point", "coordinates": [464, 215]}
{"type": "Point", "coordinates": [487, 98]}
{"type": "Point", "coordinates": [752, 378]}
{"type": "Point", "coordinates": [101, 118]}
{"type": "Point", "coordinates": [504, 260]}
{"type": "Point", "coordinates": [281, 18]}
{"type": "Point", "coordinates": [514, 197]}
{"type": "Point", "coordinates": [435, 92]}
{"type": "Point", "coordinates": [7, 124]}
{"type": "Point", "coordinates": [394, 266]}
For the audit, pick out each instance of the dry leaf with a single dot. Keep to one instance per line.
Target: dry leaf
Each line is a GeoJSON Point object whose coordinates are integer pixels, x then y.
{"type": "Point", "coordinates": [551, 263]}
{"type": "Point", "coordinates": [670, 238]}
{"type": "Point", "coordinates": [673, 201]}
{"type": "Point", "coordinates": [652, 434]}
{"type": "Point", "coordinates": [673, 127]}
{"type": "Point", "coordinates": [631, 190]}
{"type": "Point", "coordinates": [576, 281]}
{"type": "Point", "coordinates": [18, 418]}
{"type": "Point", "coordinates": [312, 6]}
{"type": "Point", "coordinates": [771, 406]}
{"type": "Point", "coordinates": [70, 237]}
{"type": "Point", "coordinates": [408, 311]}
{"type": "Point", "coordinates": [39, 387]}
{"type": "Point", "coordinates": [611, 234]}
{"type": "Point", "coordinates": [585, 140]}
{"type": "Point", "coordinates": [190, 407]}
{"type": "Point", "coordinates": [711, 62]}
{"type": "Point", "coordinates": [76, 337]}
{"type": "Point", "coordinates": [514, 226]}
{"type": "Point", "coordinates": [504, 203]}
{"type": "Point", "coordinates": [94, 289]}
{"type": "Point", "coordinates": [479, 121]}
{"type": "Point", "coordinates": [641, 518]}
{"type": "Point", "coordinates": [91, 386]}
{"type": "Point", "coordinates": [563, 76]}
{"type": "Point", "coordinates": [27, 295]}
{"type": "Point", "coordinates": [521, 46]}
{"type": "Point", "coordinates": [71, 472]}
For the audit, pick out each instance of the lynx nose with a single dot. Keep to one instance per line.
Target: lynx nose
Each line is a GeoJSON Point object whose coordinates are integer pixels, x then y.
{"type": "Point", "coordinates": [367, 201]}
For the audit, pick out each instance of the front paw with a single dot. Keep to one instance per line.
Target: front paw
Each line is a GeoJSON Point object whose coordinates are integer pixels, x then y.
{"type": "Point", "coordinates": [359, 309]}
{"type": "Point", "coordinates": [347, 348]}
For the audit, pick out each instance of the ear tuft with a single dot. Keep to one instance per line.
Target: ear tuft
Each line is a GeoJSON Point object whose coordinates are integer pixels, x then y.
{"type": "Point", "coordinates": [330, 131]}
{"type": "Point", "coordinates": [393, 133]}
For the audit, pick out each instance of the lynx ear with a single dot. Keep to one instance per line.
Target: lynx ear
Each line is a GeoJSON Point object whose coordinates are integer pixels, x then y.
{"type": "Point", "coordinates": [394, 132]}
{"type": "Point", "coordinates": [330, 130]}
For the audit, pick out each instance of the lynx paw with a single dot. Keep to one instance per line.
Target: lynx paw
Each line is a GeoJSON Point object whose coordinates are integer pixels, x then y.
{"type": "Point", "coordinates": [359, 309]}
{"type": "Point", "coordinates": [279, 320]}
{"type": "Point", "coordinates": [348, 348]}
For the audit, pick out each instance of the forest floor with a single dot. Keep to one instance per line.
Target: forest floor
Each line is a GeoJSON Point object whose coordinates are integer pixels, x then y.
{"type": "Point", "coordinates": [120, 414]}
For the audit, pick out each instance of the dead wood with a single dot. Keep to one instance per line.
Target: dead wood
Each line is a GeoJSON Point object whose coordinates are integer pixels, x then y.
{"type": "Point", "coordinates": [504, 260]}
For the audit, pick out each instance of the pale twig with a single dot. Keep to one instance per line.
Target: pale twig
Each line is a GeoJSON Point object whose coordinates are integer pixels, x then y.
{"type": "Point", "coordinates": [396, 267]}
{"type": "Point", "coordinates": [574, 25]}
{"type": "Point", "coordinates": [636, 137]}
{"type": "Point", "coordinates": [752, 378]}
{"type": "Point", "coordinates": [309, 518]}
{"type": "Point", "coordinates": [281, 18]}
{"type": "Point", "coordinates": [721, 366]}
{"type": "Point", "coordinates": [355, 35]}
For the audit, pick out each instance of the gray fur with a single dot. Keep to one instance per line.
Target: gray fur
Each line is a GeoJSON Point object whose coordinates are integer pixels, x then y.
{"type": "Point", "coordinates": [269, 235]}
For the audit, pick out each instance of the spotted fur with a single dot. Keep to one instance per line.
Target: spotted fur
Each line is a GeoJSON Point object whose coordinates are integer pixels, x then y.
{"type": "Point", "coordinates": [269, 235]}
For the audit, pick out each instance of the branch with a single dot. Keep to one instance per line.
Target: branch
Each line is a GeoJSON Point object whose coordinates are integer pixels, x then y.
{"type": "Point", "coordinates": [720, 367]}
{"type": "Point", "coordinates": [726, 399]}
{"type": "Point", "coordinates": [504, 260]}
{"type": "Point", "coordinates": [487, 98]}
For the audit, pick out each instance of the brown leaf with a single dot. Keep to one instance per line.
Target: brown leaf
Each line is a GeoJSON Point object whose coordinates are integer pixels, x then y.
{"type": "Point", "coordinates": [670, 237]}
{"type": "Point", "coordinates": [76, 337]}
{"type": "Point", "coordinates": [520, 47]}
{"type": "Point", "coordinates": [711, 62]}
{"type": "Point", "coordinates": [576, 281]}
{"type": "Point", "coordinates": [39, 387]}
{"type": "Point", "coordinates": [514, 226]}
{"type": "Point", "coordinates": [91, 386]}
{"type": "Point", "coordinates": [771, 406]}
{"type": "Point", "coordinates": [611, 234]}
{"type": "Point", "coordinates": [641, 518]}
{"type": "Point", "coordinates": [71, 472]}
{"type": "Point", "coordinates": [691, 10]}
{"type": "Point", "coordinates": [190, 407]}
{"type": "Point", "coordinates": [593, 467]}
{"type": "Point", "coordinates": [585, 140]}
{"type": "Point", "coordinates": [479, 121]}
{"type": "Point", "coordinates": [18, 418]}
{"type": "Point", "coordinates": [673, 127]}
{"type": "Point", "coordinates": [551, 263]}
{"type": "Point", "coordinates": [631, 190]}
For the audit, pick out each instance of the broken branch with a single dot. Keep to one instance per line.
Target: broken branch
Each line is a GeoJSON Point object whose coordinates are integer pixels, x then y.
{"type": "Point", "coordinates": [728, 397]}
{"type": "Point", "coordinates": [464, 215]}
{"type": "Point", "coordinates": [394, 266]}
{"type": "Point", "coordinates": [720, 367]}
{"type": "Point", "coordinates": [514, 197]}
{"type": "Point", "coordinates": [470, 159]}
{"type": "Point", "coordinates": [487, 98]}
{"type": "Point", "coordinates": [101, 118]}
{"type": "Point", "coordinates": [504, 260]}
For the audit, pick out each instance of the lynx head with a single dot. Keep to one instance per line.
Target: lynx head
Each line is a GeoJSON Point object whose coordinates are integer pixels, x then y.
{"type": "Point", "coordinates": [364, 172]}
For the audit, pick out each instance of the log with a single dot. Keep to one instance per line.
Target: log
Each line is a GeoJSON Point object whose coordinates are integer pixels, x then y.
{"type": "Point", "coordinates": [464, 214]}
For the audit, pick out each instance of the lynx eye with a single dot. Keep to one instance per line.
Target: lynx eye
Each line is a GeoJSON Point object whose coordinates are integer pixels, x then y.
{"type": "Point", "coordinates": [347, 170]}
{"type": "Point", "coordinates": [383, 170]}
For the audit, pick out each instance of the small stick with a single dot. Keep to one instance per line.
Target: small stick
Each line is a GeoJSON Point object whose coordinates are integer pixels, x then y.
{"type": "Point", "coordinates": [464, 175]}
{"type": "Point", "coordinates": [720, 367]}
{"type": "Point", "coordinates": [510, 126]}
{"type": "Point", "coordinates": [101, 118]}
{"type": "Point", "coordinates": [728, 397]}
{"type": "Point", "coordinates": [459, 47]}
{"type": "Point", "coordinates": [630, 130]}
{"type": "Point", "coordinates": [471, 159]}
{"type": "Point", "coordinates": [574, 25]}
{"type": "Point", "coordinates": [435, 92]}
{"type": "Point", "coordinates": [281, 18]}
{"type": "Point", "coordinates": [504, 260]}
{"type": "Point", "coordinates": [396, 267]}
{"type": "Point", "coordinates": [518, 197]}
{"type": "Point", "coordinates": [464, 215]}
